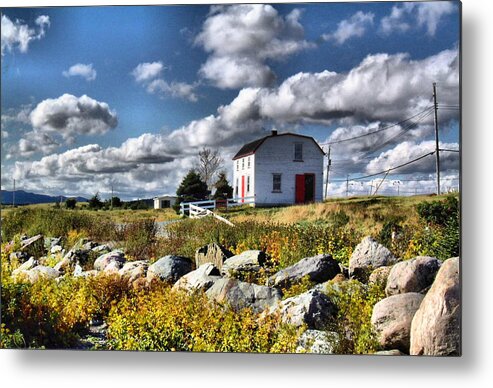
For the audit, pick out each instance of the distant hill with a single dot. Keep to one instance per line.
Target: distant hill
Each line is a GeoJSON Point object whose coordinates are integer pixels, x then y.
{"type": "Point", "coordinates": [25, 198]}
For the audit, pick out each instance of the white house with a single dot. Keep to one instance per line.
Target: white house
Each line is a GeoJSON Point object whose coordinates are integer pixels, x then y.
{"type": "Point", "coordinates": [279, 169]}
{"type": "Point", "coordinates": [164, 201]}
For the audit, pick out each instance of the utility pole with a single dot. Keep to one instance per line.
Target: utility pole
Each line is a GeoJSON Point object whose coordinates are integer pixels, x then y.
{"type": "Point", "coordinates": [371, 186]}
{"type": "Point", "coordinates": [329, 162]}
{"type": "Point", "coordinates": [437, 151]}
{"type": "Point", "coordinates": [13, 196]}
{"type": "Point", "coordinates": [347, 185]}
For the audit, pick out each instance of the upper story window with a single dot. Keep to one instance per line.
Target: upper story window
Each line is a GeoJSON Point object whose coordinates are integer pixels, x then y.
{"type": "Point", "coordinates": [276, 183]}
{"type": "Point", "coordinates": [237, 165]}
{"type": "Point", "coordinates": [298, 151]}
{"type": "Point", "coordinates": [243, 163]}
{"type": "Point", "coordinates": [248, 163]}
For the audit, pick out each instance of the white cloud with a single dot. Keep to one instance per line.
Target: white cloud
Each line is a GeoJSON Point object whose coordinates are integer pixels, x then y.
{"type": "Point", "coordinates": [382, 87]}
{"type": "Point", "coordinates": [85, 71]}
{"type": "Point", "coordinates": [355, 26]}
{"type": "Point", "coordinates": [70, 116]}
{"type": "Point", "coordinates": [16, 34]}
{"type": "Point", "coordinates": [34, 142]}
{"type": "Point", "coordinates": [240, 38]}
{"type": "Point", "coordinates": [147, 71]}
{"type": "Point", "coordinates": [407, 151]}
{"type": "Point", "coordinates": [150, 76]}
{"type": "Point", "coordinates": [5, 134]}
{"type": "Point", "coordinates": [425, 14]}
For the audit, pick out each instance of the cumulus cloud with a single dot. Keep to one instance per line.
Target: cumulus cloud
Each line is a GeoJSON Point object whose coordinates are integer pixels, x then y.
{"type": "Point", "coordinates": [407, 151]}
{"type": "Point", "coordinates": [150, 76]}
{"type": "Point", "coordinates": [382, 87]}
{"type": "Point", "coordinates": [240, 38]}
{"type": "Point", "coordinates": [70, 116]}
{"type": "Point", "coordinates": [355, 26]}
{"type": "Point", "coordinates": [81, 70]}
{"type": "Point", "coordinates": [425, 14]}
{"type": "Point", "coordinates": [17, 35]}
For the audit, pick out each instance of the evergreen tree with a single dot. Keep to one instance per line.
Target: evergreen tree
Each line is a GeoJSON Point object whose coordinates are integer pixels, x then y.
{"type": "Point", "coordinates": [191, 188]}
{"type": "Point", "coordinates": [223, 189]}
{"type": "Point", "coordinates": [70, 203]}
{"type": "Point", "coordinates": [95, 202]}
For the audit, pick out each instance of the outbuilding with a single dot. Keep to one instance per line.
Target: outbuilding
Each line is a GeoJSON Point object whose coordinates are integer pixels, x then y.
{"type": "Point", "coordinates": [164, 201]}
{"type": "Point", "coordinates": [279, 169]}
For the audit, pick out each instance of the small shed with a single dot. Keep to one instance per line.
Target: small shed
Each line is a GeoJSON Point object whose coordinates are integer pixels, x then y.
{"type": "Point", "coordinates": [164, 201]}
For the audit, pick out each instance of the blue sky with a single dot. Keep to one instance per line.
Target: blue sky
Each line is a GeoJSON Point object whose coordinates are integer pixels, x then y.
{"type": "Point", "coordinates": [162, 82]}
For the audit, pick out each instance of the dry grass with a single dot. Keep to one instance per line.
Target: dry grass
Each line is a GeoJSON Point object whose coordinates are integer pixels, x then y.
{"type": "Point", "coordinates": [365, 214]}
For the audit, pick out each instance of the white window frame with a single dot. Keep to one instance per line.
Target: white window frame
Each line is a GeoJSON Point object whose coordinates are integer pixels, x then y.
{"type": "Point", "coordinates": [298, 159]}
{"type": "Point", "coordinates": [274, 190]}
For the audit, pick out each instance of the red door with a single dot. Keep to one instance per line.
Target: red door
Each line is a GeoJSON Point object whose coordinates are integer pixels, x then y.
{"type": "Point", "coordinates": [243, 188]}
{"type": "Point", "coordinates": [300, 188]}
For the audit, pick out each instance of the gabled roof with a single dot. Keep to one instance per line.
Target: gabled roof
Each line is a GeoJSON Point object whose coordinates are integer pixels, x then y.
{"type": "Point", "coordinates": [251, 148]}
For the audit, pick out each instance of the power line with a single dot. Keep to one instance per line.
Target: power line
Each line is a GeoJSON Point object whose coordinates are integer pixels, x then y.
{"type": "Point", "coordinates": [376, 131]}
{"type": "Point", "coordinates": [390, 169]}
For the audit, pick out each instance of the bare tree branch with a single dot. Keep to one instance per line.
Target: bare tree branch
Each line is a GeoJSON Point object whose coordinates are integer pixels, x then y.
{"type": "Point", "coordinates": [210, 162]}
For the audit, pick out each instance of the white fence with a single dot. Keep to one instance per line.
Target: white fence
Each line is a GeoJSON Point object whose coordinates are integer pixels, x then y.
{"type": "Point", "coordinates": [197, 209]}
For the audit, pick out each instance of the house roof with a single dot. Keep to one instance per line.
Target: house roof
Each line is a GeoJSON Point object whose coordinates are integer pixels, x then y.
{"type": "Point", "coordinates": [252, 147]}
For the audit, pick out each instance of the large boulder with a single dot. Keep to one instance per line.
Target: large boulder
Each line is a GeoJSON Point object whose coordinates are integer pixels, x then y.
{"type": "Point", "coordinates": [240, 295]}
{"type": "Point", "coordinates": [248, 261]}
{"type": "Point", "coordinates": [103, 261]}
{"type": "Point", "coordinates": [169, 268]}
{"type": "Point", "coordinates": [200, 279]}
{"type": "Point", "coordinates": [212, 253]}
{"type": "Point", "coordinates": [368, 255]}
{"type": "Point", "coordinates": [392, 317]}
{"type": "Point", "coordinates": [133, 270]}
{"type": "Point", "coordinates": [317, 269]}
{"type": "Point", "coordinates": [415, 275]}
{"type": "Point", "coordinates": [435, 329]}
{"type": "Point", "coordinates": [317, 341]}
{"type": "Point", "coordinates": [26, 266]}
{"type": "Point", "coordinates": [312, 308]}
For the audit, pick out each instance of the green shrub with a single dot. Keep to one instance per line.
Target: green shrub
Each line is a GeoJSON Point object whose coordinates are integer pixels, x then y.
{"type": "Point", "coordinates": [139, 238]}
{"type": "Point", "coordinates": [355, 302]}
{"type": "Point", "coordinates": [438, 212]}
{"type": "Point", "coordinates": [165, 320]}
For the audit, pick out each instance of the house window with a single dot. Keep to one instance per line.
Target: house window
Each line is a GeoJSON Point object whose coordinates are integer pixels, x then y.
{"type": "Point", "coordinates": [236, 187]}
{"type": "Point", "coordinates": [276, 183]}
{"type": "Point", "coordinates": [248, 183]}
{"type": "Point", "coordinates": [248, 162]}
{"type": "Point", "coordinates": [298, 152]}
{"type": "Point", "coordinates": [243, 163]}
{"type": "Point", "coordinates": [237, 165]}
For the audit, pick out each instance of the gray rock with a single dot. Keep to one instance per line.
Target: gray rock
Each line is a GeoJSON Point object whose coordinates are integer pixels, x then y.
{"type": "Point", "coordinates": [56, 249]}
{"type": "Point", "coordinates": [318, 269]}
{"type": "Point", "coordinates": [200, 279]}
{"type": "Point", "coordinates": [312, 308]}
{"type": "Point", "coordinates": [435, 329]}
{"type": "Point", "coordinates": [392, 317]}
{"type": "Point", "coordinates": [101, 248]}
{"type": "Point", "coordinates": [212, 253]}
{"type": "Point", "coordinates": [21, 257]}
{"type": "Point", "coordinates": [393, 352]}
{"type": "Point", "coordinates": [104, 260]}
{"type": "Point", "coordinates": [248, 261]}
{"type": "Point", "coordinates": [367, 256]}
{"type": "Point", "coordinates": [86, 274]}
{"type": "Point", "coordinates": [380, 275]}
{"type": "Point", "coordinates": [26, 266]}
{"type": "Point", "coordinates": [37, 273]}
{"type": "Point", "coordinates": [240, 295]}
{"type": "Point", "coordinates": [169, 268]}
{"type": "Point", "coordinates": [415, 275]}
{"type": "Point", "coordinates": [50, 242]}
{"type": "Point", "coordinates": [316, 341]}
{"type": "Point", "coordinates": [134, 270]}
{"type": "Point", "coordinates": [113, 267]}
{"type": "Point", "coordinates": [89, 245]}
{"type": "Point", "coordinates": [33, 246]}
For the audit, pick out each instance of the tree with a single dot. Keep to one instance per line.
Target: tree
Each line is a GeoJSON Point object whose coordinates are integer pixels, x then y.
{"type": "Point", "coordinates": [117, 202]}
{"type": "Point", "coordinates": [210, 162]}
{"type": "Point", "coordinates": [192, 188]}
{"type": "Point", "coordinates": [95, 202]}
{"type": "Point", "coordinates": [70, 203]}
{"type": "Point", "coordinates": [223, 189]}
